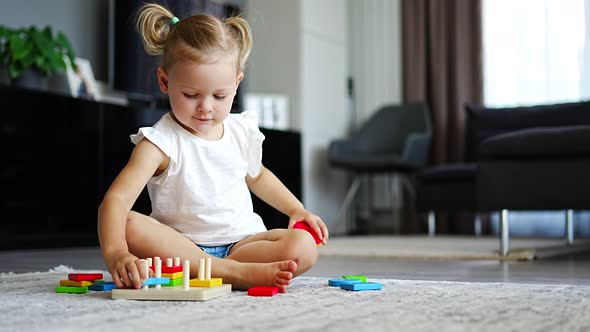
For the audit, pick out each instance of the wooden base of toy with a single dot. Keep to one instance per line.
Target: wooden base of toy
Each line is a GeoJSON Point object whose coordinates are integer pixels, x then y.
{"type": "Point", "coordinates": [175, 293]}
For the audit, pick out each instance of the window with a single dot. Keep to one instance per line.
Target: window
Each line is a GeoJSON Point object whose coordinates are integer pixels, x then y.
{"type": "Point", "coordinates": [534, 52]}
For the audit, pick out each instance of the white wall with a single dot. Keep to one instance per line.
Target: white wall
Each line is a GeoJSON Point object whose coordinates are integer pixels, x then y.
{"type": "Point", "coordinates": [84, 22]}
{"type": "Point", "coordinates": [275, 61]}
{"type": "Point", "coordinates": [325, 113]}
{"type": "Point", "coordinates": [375, 54]}
{"type": "Point", "coordinates": [301, 49]}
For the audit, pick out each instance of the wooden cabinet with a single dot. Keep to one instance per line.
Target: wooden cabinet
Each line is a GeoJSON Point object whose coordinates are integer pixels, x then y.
{"type": "Point", "coordinates": [60, 154]}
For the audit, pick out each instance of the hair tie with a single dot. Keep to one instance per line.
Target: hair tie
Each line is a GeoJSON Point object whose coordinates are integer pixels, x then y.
{"type": "Point", "coordinates": [174, 20]}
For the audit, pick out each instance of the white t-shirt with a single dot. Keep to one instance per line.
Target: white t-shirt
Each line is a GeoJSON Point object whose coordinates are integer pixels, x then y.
{"type": "Point", "coordinates": [203, 192]}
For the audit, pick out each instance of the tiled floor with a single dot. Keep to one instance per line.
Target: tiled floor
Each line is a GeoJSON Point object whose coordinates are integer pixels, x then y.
{"type": "Point", "coordinates": [573, 269]}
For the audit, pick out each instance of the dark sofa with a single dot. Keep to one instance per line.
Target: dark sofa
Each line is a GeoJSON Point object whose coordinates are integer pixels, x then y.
{"type": "Point", "coordinates": [519, 158]}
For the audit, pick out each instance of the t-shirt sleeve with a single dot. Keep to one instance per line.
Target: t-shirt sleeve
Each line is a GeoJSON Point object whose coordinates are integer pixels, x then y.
{"type": "Point", "coordinates": [163, 142]}
{"type": "Point", "coordinates": [152, 134]}
{"type": "Point", "coordinates": [255, 139]}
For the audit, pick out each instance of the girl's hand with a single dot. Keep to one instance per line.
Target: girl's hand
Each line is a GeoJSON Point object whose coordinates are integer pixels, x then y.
{"type": "Point", "coordinates": [314, 221]}
{"type": "Point", "coordinates": [127, 270]}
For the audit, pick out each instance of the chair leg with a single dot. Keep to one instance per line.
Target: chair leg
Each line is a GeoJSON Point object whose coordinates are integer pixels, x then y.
{"type": "Point", "coordinates": [396, 201]}
{"type": "Point", "coordinates": [409, 186]}
{"type": "Point", "coordinates": [504, 233]}
{"type": "Point", "coordinates": [431, 223]}
{"type": "Point", "coordinates": [569, 226]}
{"type": "Point", "coordinates": [371, 227]}
{"type": "Point", "coordinates": [350, 194]}
{"type": "Point", "coordinates": [477, 225]}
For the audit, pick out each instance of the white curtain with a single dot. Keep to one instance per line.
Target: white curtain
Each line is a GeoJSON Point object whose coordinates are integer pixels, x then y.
{"type": "Point", "coordinates": [534, 52]}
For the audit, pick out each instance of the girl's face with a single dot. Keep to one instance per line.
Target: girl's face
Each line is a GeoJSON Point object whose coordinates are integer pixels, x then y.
{"type": "Point", "coordinates": [201, 95]}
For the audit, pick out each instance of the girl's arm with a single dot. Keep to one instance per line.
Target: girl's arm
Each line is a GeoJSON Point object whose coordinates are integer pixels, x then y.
{"type": "Point", "coordinates": [271, 190]}
{"type": "Point", "coordinates": [145, 161]}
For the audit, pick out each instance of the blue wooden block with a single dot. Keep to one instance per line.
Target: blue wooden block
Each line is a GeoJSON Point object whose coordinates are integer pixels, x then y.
{"type": "Point", "coordinates": [103, 286]}
{"type": "Point", "coordinates": [156, 281]}
{"type": "Point", "coordinates": [339, 282]}
{"type": "Point", "coordinates": [362, 286]}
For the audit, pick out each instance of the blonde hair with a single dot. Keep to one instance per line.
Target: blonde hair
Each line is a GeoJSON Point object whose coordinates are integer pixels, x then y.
{"type": "Point", "coordinates": [201, 38]}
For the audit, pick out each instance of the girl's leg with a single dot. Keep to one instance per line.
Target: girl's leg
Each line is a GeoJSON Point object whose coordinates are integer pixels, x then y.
{"type": "Point", "coordinates": [278, 245]}
{"type": "Point", "coordinates": [146, 237]}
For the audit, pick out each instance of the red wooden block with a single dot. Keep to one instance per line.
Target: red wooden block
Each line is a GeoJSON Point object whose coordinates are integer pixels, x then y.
{"type": "Point", "coordinates": [301, 224]}
{"type": "Point", "coordinates": [85, 276]}
{"type": "Point", "coordinates": [263, 291]}
{"type": "Point", "coordinates": [166, 269]}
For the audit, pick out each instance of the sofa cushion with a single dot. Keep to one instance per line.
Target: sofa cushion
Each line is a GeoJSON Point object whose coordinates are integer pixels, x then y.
{"type": "Point", "coordinates": [554, 184]}
{"type": "Point", "coordinates": [483, 122]}
{"type": "Point", "coordinates": [456, 172]}
{"type": "Point", "coordinates": [538, 143]}
{"type": "Point", "coordinates": [447, 187]}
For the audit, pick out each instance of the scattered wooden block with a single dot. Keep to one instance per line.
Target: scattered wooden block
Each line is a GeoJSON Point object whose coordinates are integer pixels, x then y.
{"type": "Point", "coordinates": [358, 277]}
{"type": "Point", "coordinates": [213, 282]}
{"type": "Point", "coordinates": [71, 289]}
{"type": "Point", "coordinates": [176, 293]}
{"type": "Point", "coordinates": [85, 276]}
{"type": "Point", "coordinates": [103, 286]}
{"type": "Point", "coordinates": [339, 282]}
{"type": "Point", "coordinates": [73, 283]}
{"type": "Point", "coordinates": [263, 291]}
{"type": "Point", "coordinates": [361, 286]}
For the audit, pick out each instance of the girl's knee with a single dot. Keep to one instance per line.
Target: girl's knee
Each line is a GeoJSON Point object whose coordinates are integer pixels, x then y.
{"type": "Point", "coordinates": [302, 247]}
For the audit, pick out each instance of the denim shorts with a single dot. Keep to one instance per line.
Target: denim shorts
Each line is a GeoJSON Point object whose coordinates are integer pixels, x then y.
{"type": "Point", "coordinates": [217, 251]}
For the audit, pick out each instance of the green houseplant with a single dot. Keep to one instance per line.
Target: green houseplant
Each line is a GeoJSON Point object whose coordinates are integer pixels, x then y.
{"type": "Point", "coordinates": [31, 48]}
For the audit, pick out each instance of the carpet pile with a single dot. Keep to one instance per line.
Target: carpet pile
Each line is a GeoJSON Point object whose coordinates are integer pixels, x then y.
{"type": "Point", "coordinates": [29, 303]}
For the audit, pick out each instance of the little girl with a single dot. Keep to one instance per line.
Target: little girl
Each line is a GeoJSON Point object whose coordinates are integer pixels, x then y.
{"type": "Point", "coordinates": [200, 163]}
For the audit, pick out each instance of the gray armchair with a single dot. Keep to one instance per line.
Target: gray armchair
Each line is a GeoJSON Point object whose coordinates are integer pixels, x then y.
{"type": "Point", "coordinates": [394, 141]}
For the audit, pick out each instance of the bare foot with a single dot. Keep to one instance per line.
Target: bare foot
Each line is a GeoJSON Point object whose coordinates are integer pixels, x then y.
{"type": "Point", "coordinates": [245, 275]}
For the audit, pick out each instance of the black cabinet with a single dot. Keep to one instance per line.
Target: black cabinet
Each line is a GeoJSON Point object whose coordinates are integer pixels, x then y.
{"type": "Point", "coordinates": [50, 167]}
{"type": "Point", "coordinates": [281, 154]}
{"type": "Point", "coordinates": [60, 155]}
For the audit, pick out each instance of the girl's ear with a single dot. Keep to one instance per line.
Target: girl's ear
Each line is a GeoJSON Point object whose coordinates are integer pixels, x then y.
{"type": "Point", "coordinates": [163, 80]}
{"type": "Point", "coordinates": [240, 78]}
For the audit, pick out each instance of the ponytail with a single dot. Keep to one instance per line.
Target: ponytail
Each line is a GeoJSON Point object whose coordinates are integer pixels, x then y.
{"type": "Point", "coordinates": [240, 30]}
{"type": "Point", "coordinates": [153, 24]}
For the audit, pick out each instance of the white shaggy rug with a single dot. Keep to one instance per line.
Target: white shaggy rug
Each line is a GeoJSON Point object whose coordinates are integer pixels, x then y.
{"type": "Point", "coordinates": [29, 303]}
{"type": "Point", "coordinates": [444, 247]}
